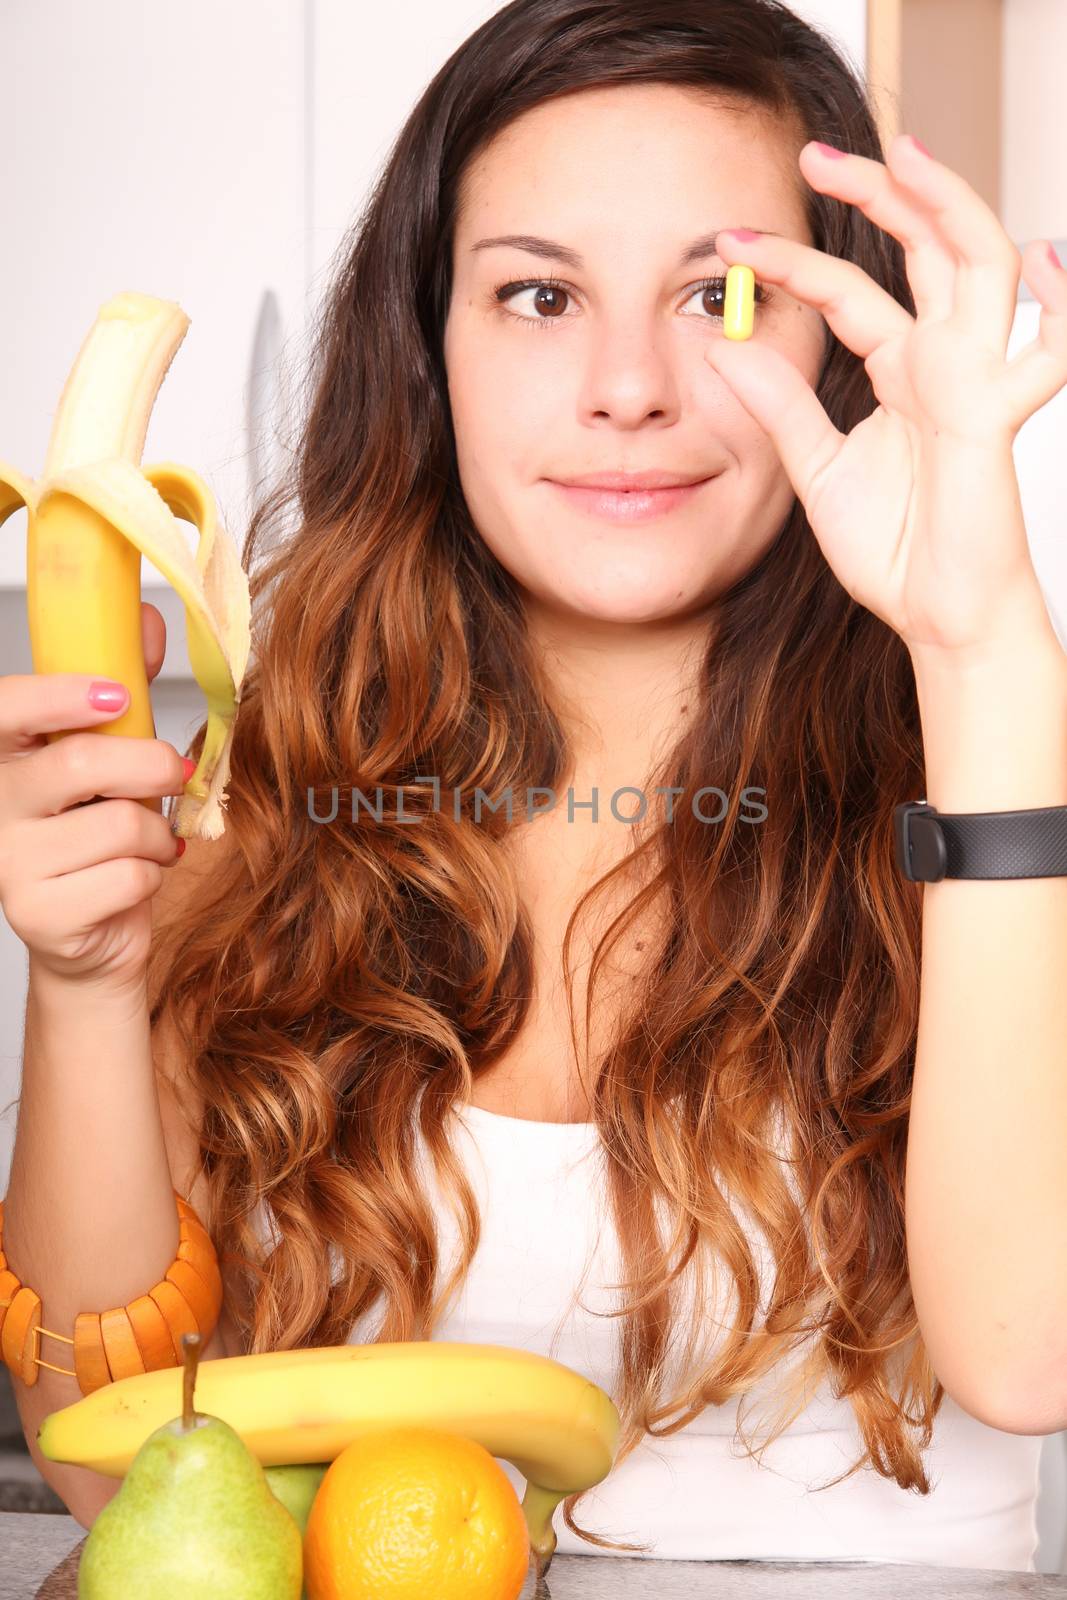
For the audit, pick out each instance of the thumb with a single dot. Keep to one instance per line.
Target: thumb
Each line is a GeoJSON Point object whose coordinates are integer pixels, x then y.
{"type": "Point", "coordinates": [779, 398]}
{"type": "Point", "coordinates": [153, 638]}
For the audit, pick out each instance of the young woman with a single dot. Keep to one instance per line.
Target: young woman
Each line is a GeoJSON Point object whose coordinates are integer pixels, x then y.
{"type": "Point", "coordinates": [634, 1086]}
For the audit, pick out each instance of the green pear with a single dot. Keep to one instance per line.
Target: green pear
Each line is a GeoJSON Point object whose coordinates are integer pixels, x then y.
{"type": "Point", "coordinates": [195, 1519]}
{"type": "Point", "coordinates": [296, 1486]}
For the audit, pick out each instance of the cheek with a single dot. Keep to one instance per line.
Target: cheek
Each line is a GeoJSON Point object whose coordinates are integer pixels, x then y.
{"type": "Point", "coordinates": [805, 338]}
{"type": "Point", "coordinates": [504, 421]}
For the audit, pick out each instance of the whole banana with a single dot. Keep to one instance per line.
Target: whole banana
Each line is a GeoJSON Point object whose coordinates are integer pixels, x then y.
{"type": "Point", "coordinates": [92, 515]}
{"type": "Point", "coordinates": [557, 1428]}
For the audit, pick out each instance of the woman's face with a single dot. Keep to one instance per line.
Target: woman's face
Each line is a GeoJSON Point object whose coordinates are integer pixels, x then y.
{"type": "Point", "coordinates": [604, 371]}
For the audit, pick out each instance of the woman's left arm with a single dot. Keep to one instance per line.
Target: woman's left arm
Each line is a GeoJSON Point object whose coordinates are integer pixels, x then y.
{"type": "Point", "coordinates": [917, 511]}
{"type": "Point", "coordinates": [986, 1180]}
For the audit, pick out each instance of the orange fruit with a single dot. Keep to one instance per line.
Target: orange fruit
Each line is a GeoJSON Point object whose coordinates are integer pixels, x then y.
{"type": "Point", "coordinates": [415, 1514]}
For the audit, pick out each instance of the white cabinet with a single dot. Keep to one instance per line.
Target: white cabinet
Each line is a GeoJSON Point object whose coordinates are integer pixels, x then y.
{"type": "Point", "coordinates": [157, 148]}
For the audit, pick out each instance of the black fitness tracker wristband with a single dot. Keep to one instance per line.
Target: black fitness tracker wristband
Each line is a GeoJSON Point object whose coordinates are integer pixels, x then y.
{"type": "Point", "coordinates": [982, 844]}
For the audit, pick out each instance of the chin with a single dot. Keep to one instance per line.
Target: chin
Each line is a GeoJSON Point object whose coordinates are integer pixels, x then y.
{"type": "Point", "coordinates": [634, 605]}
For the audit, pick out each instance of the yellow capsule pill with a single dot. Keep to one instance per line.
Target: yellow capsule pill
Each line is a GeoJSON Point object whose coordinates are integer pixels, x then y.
{"type": "Point", "coordinates": [739, 300]}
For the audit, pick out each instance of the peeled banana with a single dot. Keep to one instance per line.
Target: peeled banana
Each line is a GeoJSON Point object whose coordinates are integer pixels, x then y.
{"type": "Point", "coordinates": [557, 1428]}
{"type": "Point", "coordinates": [92, 515]}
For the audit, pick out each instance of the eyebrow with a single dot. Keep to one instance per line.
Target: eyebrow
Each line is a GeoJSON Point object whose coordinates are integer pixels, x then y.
{"type": "Point", "coordinates": [704, 246]}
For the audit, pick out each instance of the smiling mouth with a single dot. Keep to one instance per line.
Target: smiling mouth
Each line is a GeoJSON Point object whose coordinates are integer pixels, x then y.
{"type": "Point", "coordinates": [662, 488]}
{"type": "Point", "coordinates": [617, 484]}
{"type": "Point", "coordinates": [629, 505]}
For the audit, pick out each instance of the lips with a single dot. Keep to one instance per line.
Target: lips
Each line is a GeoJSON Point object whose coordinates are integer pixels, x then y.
{"type": "Point", "coordinates": [629, 504]}
{"type": "Point", "coordinates": [623, 482]}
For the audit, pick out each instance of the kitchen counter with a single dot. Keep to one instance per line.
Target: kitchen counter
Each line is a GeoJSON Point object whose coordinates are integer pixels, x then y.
{"type": "Point", "coordinates": [35, 1548]}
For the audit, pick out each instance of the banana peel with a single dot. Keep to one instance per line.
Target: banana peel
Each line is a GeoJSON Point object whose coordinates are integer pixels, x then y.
{"type": "Point", "coordinates": [97, 510]}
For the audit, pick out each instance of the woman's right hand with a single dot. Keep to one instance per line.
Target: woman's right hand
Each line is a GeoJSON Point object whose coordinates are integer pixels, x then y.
{"type": "Point", "coordinates": [77, 873]}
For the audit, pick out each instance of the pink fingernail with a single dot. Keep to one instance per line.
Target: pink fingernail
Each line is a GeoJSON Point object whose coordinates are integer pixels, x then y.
{"type": "Point", "coordinates": [919, 145]}
{"type": "Point", "coordinates": [744, 234]}
{"type": "Point", "coordinates": [104, 696]}
{"type": "Point", "coordinates": [828, 150]}
{"type": "Point", "coordinates": [1054, 258]}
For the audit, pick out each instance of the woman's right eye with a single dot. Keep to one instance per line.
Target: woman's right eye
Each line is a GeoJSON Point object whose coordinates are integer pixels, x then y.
{"type": "Point", "coordinates": [508, 291]}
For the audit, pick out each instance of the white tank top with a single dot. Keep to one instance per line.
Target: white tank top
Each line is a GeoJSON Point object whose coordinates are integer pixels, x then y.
{"type": "Point", "coordinates": [694, 1496]}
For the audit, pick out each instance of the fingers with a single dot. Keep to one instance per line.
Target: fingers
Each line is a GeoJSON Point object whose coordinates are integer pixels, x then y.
{"type": "Point", "coordinates": [960, 263]}
{"type": "Point", "coordinates": [80, 903]}
{"type": "Point", "coordinates": [89, 836]}
{"type": "Point", "coordinates": [962, 267]}
{"type": "Point", "coordinates": [82, 766]}
{"type": "Point", "coordinates": [779, 397]}
{"type": "Point", "coordinates": [1040, 370]}
{"type": "Point", "coordinates": [884, 199]}
{"type": "Point", "coordinates": [33, 704]}
{"type": "Point", "coordinates": [153, 637]}
{"type": "Point", "coordinates": [988, 262]}
{"type": "Point", "coordinates": [860, 312]}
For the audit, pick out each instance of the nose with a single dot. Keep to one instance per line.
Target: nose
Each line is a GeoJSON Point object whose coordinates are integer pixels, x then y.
{"type": "Point", "coordinates": [629, 376]}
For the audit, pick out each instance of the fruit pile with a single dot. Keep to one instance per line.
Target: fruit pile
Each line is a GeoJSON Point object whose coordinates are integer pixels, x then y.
{"type": "Point", "coordinates": [347, 1472]}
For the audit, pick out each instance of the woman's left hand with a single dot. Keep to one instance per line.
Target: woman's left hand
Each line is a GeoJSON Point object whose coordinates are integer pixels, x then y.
{"type": "Point", "coordinates": [917, 508]}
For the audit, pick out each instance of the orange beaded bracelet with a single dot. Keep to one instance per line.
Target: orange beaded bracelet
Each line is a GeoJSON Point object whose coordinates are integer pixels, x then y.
{"type": "Point", "coordinates": [139, 1337]}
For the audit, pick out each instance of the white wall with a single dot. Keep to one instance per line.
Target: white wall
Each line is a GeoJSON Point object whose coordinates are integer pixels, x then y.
{"type": "Point", "coordinates": [1034, 146]}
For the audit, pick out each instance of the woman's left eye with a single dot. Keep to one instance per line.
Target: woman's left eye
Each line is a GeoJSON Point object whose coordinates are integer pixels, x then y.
{"type": "Point", "coordinates": [716, 287]}
{"type": "Point", "coordinates": [714, 290]}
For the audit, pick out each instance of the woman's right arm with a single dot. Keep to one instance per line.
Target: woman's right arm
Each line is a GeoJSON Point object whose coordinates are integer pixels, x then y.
{"type": "Point", "coordinates": [89, 1217]}
{"type": "Point", "coordinates": [101, 1142]}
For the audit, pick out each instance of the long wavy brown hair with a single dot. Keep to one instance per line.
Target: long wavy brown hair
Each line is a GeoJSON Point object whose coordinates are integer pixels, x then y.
{"type": "Point", "coordinates": [341, 986]}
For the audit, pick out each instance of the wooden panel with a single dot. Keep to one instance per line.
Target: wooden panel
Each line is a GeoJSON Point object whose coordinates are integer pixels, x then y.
{"type": "Point", "coordinates": [884, 31]}
{"type": "Point", "coordinates": [951, 96]}
{"type": "Point", "coordinates": [934, 67]}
